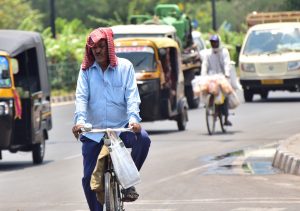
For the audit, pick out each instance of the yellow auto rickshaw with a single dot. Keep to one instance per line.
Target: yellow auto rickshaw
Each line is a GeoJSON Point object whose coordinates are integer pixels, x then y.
{"type": "Point", "coordinates": [25, 111]}
{"type": "Point", "coordinates": [157, 63]}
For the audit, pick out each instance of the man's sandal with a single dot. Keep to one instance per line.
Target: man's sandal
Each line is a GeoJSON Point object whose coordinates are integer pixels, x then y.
{"type": "Point", "coordinates": [130, 194]}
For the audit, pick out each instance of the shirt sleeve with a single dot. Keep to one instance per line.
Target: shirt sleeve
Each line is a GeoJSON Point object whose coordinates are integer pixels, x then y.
{"type": "Point", "coordinates": [82, 96]}
{"type": "Point", "coordinates": [204, 64]}
{"type": "Point", "coordinates": [132, 97]}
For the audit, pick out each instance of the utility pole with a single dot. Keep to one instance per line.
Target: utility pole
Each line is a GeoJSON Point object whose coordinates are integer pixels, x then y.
{"type": "Point", "coordinates": [214, 18]}
{"type": "Point", "coordinates": [52, 18]}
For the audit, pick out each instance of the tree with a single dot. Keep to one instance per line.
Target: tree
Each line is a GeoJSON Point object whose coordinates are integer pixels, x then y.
{"type": "Point", "coordinates": [292, 5]}
{"type": "Point", "coordinates": [89, 12]}
{"type": "Point", "coordinates": [17, 14]}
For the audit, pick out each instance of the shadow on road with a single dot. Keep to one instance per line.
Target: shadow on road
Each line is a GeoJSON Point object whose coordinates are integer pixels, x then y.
{"type": "Point", "coordinates": [278, 100]}
{"type": "Point", "coordinates": [161, 132]}
{"type": "Point", "coordinates": [228, 132]}
{"type": "Point", "coordinates": [18, 165]}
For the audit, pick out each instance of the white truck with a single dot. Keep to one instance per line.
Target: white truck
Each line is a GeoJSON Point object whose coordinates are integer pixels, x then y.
{"type": "Point", "coordinates": [270, 55]}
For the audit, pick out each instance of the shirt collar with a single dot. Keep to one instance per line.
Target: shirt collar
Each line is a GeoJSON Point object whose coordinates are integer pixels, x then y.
{"type": "Point", "coordinates": [96, 65]}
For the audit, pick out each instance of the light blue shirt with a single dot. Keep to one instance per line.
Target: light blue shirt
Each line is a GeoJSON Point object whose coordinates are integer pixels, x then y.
{"type": "Point", "coordinates": [108, 99]}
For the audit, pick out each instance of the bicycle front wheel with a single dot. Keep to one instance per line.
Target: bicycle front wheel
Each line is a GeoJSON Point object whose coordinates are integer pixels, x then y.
{"type": "Point", "coordinates": [109, 192]}
{"type": "Point", "coordinates": [119, 205]}
{"type": "Point", "coordinates": [210, 114]}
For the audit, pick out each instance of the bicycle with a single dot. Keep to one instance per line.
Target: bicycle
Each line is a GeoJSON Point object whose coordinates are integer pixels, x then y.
{"type": "Point", "coordinates": [113, 190]}
{"type": "Point", "coordinates": [214, 113]}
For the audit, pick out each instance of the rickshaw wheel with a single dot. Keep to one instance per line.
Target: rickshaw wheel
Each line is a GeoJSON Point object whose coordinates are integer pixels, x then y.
{"type": "Point", "coordinates": [182, 119]}
{"type": "Point", "coordinates": [38, 152]}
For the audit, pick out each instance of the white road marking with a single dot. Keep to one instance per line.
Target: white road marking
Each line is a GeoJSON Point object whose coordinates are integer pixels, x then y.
{"type": "Point", "coordinates": [184, 173]}
{"type": "Point", "coordinates": [72, 157]}
{"type": "Point", "coordinates": [155, 209]}
{"type": "Point", "coordinates": [259, 200]}
{"type": "Point", "coordinates": [258, 209]}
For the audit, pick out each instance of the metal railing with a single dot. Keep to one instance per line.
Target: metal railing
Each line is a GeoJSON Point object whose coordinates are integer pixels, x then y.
{"type": "Point", "coordinates": [63, 76]}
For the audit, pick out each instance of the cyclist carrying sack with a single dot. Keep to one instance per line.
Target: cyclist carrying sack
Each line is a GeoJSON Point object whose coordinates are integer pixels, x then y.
{"type": "Point", "coordinates": [124, 166]}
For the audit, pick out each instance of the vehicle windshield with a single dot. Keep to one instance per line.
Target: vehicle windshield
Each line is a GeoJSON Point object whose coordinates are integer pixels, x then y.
{"type": "Point", "coordinates": [273, 41]}
{"type": "Point", "coordinates": [5, 80]}
{"type": "Point", "coordinates": [142, 58]}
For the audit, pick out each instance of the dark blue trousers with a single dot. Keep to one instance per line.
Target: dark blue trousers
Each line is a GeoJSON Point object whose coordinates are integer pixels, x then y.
{"type": "Point", "coordinates": [139, 143]}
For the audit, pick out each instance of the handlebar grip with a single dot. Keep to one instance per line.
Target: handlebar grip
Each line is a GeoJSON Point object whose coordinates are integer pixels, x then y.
{"type": "Point", "coordinates": [87, 127]}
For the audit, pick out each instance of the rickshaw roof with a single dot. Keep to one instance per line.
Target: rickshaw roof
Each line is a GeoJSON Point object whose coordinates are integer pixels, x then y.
{"type": "Point", "coordinates": [14, 42]}
{"type": "Point", "coordinates": [159, 42]}
{"type": "Point", "coordinates": [143, 29]}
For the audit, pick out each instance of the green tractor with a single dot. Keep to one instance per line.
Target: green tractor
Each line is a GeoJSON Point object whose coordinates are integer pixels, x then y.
{"type": "Point", "coordinates": [169, 14]}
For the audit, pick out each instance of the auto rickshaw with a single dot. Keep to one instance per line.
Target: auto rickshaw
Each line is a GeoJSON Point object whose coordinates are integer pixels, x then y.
{"type": "Point", "coordinates": [159, 77]}
{"type": "Point", "coordinates": [25, 109]}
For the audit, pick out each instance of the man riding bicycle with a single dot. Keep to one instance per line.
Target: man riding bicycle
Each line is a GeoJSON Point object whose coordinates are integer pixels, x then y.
{"type": "Point", "coordinates": [107, 97]}
{"type": "Point", "coordinates": [217, 61]}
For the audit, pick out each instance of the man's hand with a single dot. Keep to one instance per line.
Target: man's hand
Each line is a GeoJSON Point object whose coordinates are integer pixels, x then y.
{"type": "Point", "coordinates": [76, 130]}
{"type": "Point", "coordinates": [136, 127]}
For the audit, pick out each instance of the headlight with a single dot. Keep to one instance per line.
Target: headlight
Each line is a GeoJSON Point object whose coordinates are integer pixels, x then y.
{"type": "Point", "coordinates": [248, 67]}
{"type": "Point", "coordinates": [295, 65]}
{"type": "Point", "coordinates": [4, 109]}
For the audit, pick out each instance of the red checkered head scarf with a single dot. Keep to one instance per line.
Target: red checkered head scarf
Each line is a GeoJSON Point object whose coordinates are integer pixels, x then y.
{"type": "Point", "coordinates": [94, 37]}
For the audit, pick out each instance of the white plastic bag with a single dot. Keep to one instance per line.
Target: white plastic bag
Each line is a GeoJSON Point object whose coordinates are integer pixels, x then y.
{"type": "Point", "coordinates": [233, 100]}
{"type": "Point", "coordinates": [124, 166]}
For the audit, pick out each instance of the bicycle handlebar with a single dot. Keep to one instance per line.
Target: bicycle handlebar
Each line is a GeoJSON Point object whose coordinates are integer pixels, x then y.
{"type": "Point", "coordinates": [89, 129]}
{"type": "Point", "coordinates": [98, 130]}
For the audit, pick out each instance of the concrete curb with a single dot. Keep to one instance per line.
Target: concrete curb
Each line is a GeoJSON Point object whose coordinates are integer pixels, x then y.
{"type": "Point", "coordinates": [60, 99]}
{"type": "Point", "coordinates": [287, 158]}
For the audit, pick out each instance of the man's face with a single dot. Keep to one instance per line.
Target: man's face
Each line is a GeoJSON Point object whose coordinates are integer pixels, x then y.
{"type": "Point", "coordinates": [100, 52]}
{"type": "Point", "coordinates": [214, 44]}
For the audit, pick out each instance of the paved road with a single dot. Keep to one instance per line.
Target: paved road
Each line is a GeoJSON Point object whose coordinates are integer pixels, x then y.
{"type": "Point", "coordinates": [188, 170]}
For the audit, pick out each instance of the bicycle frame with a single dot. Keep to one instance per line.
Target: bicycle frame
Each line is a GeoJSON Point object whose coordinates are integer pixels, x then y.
{"type": "Point", "coordinates": [112, 188]}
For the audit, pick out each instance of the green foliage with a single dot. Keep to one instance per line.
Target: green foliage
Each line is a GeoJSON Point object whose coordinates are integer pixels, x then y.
{"type": "Point", "coordinates": [201, 13]}
{"type": "Point", "coordinates": [17, 14]}
{"type": "Point", "coordinates": [69, 44]}
{"type": "Point", "coordinates": [75, 19]}
{"type": "Point", "coordinates": [107, 22]}
{"type": "Point", "coordinates": [89, 12]}
{"type": "Point", "coordinates": [65, 53]}
{"type": "Point", "coordinates": [292, 5]}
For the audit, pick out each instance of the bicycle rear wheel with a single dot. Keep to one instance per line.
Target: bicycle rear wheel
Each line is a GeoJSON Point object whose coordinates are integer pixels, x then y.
{"type": "Point", "coordinates": [210, 114]}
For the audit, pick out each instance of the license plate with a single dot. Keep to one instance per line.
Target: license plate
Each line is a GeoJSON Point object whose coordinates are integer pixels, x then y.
{"type": "Point", "coordinates": [272, 82]}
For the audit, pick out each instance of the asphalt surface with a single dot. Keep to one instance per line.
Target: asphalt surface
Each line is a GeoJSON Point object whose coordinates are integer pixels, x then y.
{"type": "Point", "coordinates": [286, 158]}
